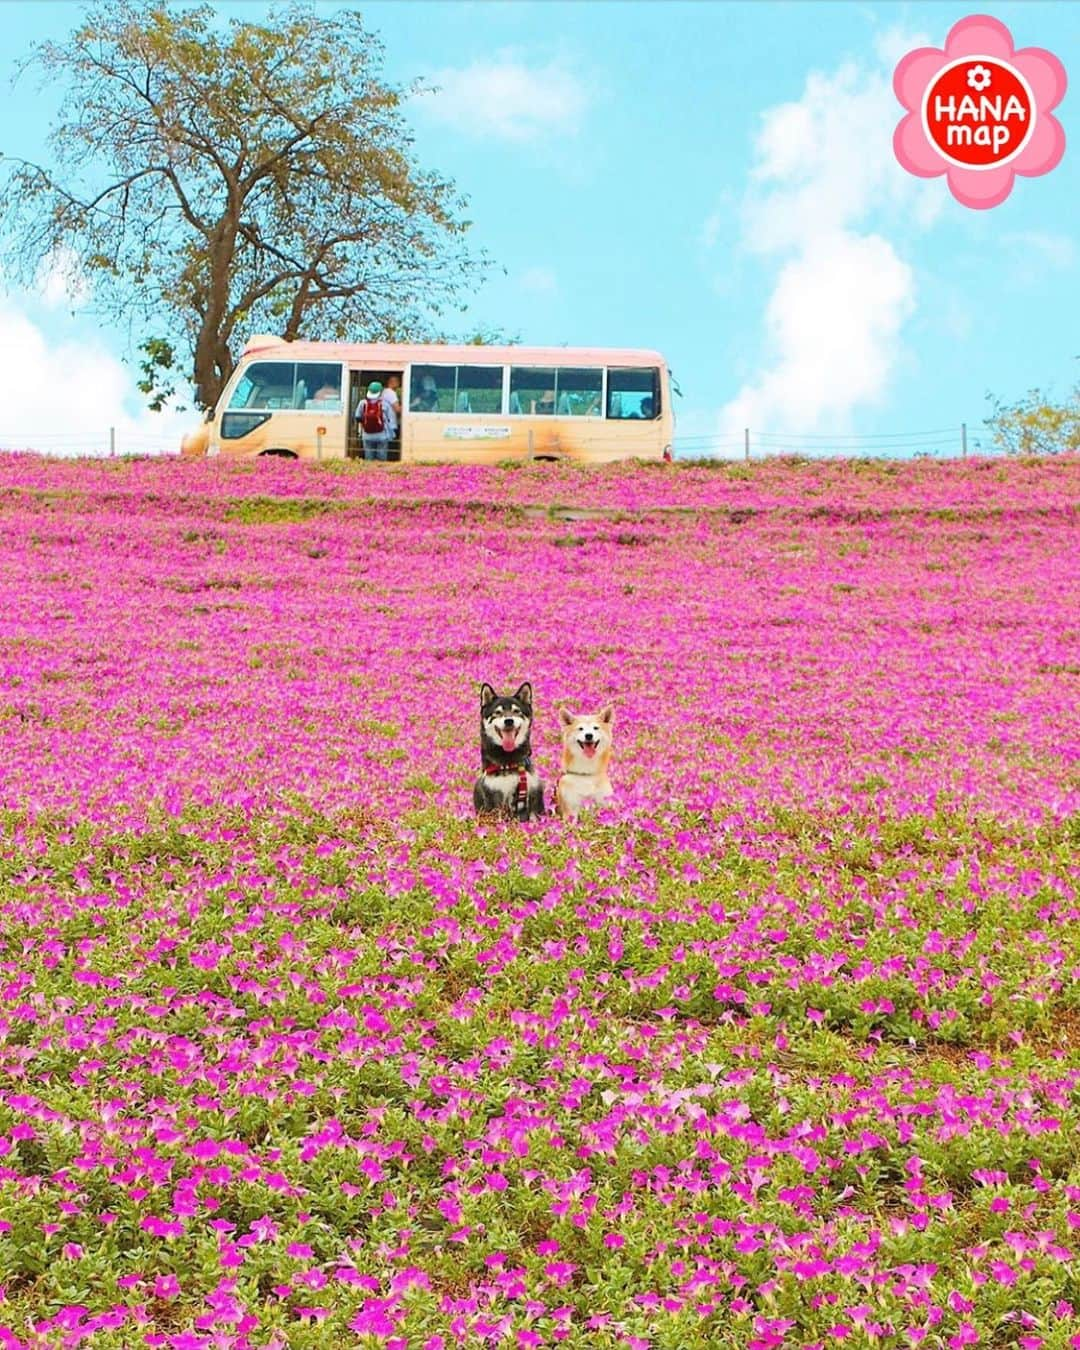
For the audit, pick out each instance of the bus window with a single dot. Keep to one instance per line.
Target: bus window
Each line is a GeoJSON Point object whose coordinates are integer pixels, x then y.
{"type": "Point", "coordinates": [577, 392]}
{"type": "Point", "coordinates": [319, 384]}
{"type": "Point", "coordinates": [565, 391]}
{"type": "Point", "coordinates": [271, 385]}
{"type": "Point", "coordinates": [264, 385]}
{"type": "Point", "coordinates": [633, 393]}
{"type": "Point", "coordinates": [431, 388]}
{"type": "Point", "coordinates": [479, 389]}
{"type": "Point", "coordinates": [463, 389]}
{"type": "Point", "coordinates": [532, 390]}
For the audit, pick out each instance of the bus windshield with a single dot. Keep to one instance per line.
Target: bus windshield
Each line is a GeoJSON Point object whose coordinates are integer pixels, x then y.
{"type": "Point", "coordinates": [268, 385]}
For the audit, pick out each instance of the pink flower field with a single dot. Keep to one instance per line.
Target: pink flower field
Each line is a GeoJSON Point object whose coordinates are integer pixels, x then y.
{"type": "Point", "coordinates": [781, 1049]}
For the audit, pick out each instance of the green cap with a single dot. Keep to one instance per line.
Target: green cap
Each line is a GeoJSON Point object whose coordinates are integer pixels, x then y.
{"type": "Point", "coordinates": [374, 387]}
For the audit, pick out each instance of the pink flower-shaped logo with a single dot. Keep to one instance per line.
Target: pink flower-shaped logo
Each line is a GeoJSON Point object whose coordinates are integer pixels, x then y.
{"type": "Point", "coordinates": [979, 111]}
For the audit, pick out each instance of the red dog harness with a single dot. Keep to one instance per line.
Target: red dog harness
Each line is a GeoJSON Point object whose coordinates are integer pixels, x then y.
{"type": "Point", "coordinates": [521, 796]}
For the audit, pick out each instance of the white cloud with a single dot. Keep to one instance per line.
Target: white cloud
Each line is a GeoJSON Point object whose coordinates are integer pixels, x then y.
{"type": "Point", "coordinates": [826, 161]}
{"type": "Point", "coordinates": [62, 397]}
{"type": "Point", "coordinates": [502, 98]}
{"type": "Point", "coordinates": [824, 172]}
{"type": "Point", "coordinates": [833, 321]}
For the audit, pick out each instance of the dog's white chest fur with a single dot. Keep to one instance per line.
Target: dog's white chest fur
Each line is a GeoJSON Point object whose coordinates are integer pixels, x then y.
{"type": "Point", "coordinates": [577, 790]}
{"type": "Point", "coordinates": [506, 784]}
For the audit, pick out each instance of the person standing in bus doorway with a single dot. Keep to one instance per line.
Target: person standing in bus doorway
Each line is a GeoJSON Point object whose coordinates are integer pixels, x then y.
{"type": "Point", "coordinates": [372, 416]}
{"type": "Point", "coordinates": [392, 398]}
{"type": "Point", "coordinates": [392, 407]}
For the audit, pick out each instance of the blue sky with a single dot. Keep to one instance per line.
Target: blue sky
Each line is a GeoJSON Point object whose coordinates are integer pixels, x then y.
{"type": "Point", "coordinates": [714, 180]}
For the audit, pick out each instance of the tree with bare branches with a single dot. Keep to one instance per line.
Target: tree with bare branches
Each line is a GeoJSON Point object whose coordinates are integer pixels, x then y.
{"type": "Point", "coordinates": [210, 180]}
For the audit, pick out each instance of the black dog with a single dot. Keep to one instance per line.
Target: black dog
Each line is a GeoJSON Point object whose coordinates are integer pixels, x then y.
{"type": "Point", "coordinates": [509, 785]}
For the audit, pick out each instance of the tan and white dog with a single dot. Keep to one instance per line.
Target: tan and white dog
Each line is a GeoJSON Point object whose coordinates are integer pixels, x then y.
{"type": "Point", "coordinates": [586, 754]}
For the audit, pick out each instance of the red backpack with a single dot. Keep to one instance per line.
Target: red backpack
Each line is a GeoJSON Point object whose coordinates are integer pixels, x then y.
{"type": "Point", "coordinates": [371, 415]}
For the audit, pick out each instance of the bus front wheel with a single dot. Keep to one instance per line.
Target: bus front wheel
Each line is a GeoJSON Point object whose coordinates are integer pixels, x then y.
{"type": "Point", "coordinates": [278, 454]}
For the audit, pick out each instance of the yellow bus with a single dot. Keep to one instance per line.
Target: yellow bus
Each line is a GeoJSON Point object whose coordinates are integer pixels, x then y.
{"type": "Point", "coordinates": [467, 404]}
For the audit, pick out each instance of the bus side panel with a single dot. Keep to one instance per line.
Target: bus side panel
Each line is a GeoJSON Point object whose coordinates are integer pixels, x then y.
{"type": "Point", "coordinates": [287, 429]}
{"type": "Point", "coordinates": [472, 440]}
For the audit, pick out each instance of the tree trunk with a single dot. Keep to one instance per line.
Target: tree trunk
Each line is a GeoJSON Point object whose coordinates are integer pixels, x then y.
{"type": "Point", "coordinates": [213, 360]}
{"type": "Point", "coordinates": [296, 313]}
{"type": "Point", "coordinates": [207, 379]}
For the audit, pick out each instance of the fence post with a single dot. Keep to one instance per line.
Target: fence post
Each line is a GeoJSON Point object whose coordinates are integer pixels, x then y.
{"type": "Point", "coordinates": [530, 445]}
{"type": "Point", "coordinates": [112, 441]}
{"type": "Point", "coordinates": [963, 440]}
{"type": "Point", "coordinates": [746, 443]}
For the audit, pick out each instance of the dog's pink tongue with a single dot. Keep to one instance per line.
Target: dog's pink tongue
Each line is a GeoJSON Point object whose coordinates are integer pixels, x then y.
{"type": "Point", "coordinates": [508, 742]}
{"type": "Point", "coordinates": [590, 750]}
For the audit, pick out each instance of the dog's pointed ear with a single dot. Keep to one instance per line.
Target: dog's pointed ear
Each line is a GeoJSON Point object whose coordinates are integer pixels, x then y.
{"type": "Point", "coordinates": [566, 717]}
{"type": "Point", "coordinates": [487, 694]}
{"type": "Point", "coordinates": [524, 694]}
{"type": "Point", "coordinates": [607, 716]}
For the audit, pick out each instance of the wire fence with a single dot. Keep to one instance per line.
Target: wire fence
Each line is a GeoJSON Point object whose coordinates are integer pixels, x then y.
{"type": "Point", "coordinates": [937, 442]}
{"type": "Point", "coordinates": [97, 444]}
{"type": "Point", "coordinates": [940, 442]}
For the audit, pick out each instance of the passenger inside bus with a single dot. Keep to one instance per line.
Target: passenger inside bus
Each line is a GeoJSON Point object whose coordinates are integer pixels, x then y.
{"type": "Point", "coordinates": [326, 382]}
{"type": "Point", "coordinates": [426, 398]}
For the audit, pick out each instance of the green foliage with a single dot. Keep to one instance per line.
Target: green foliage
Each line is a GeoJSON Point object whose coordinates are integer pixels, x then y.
{"type": "Point", "coordinates": [1035, 425]}
{"type": "Point", "coordinates": [156, 367]}
{"type": "Point", "coordinates": [212, 180]}
{"type": "Point", "coordinates": [277, 510]}
{"type": "Point", "coordinates": [488, 335]}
